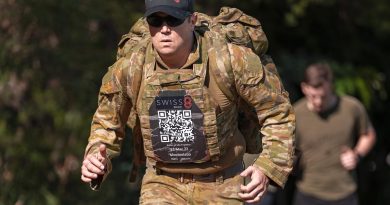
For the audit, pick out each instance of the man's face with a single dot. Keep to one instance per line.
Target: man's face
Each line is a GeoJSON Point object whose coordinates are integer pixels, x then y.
{"type": "Point", "coordinates": [318, 97]}
{"type": "Point", "coordinates": [172, 40]}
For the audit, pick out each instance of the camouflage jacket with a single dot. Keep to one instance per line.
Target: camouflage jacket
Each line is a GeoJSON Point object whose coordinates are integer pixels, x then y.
{"type": "Point", "coordinates": [260, 87]}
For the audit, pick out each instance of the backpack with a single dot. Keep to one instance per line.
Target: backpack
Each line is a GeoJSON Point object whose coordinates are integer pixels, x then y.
{"type": "Point", "coordinates": [235, 27]}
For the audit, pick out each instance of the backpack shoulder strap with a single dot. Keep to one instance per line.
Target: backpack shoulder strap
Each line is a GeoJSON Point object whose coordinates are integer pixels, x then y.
{"type": "Point", "coordinates": [220, 65]}
{"type": "Point", "coordinates": [134, 69]}
{"type": "Point", "coordinates": [134, 73]}
{"type": "Point", "coordinates": [222, 70]}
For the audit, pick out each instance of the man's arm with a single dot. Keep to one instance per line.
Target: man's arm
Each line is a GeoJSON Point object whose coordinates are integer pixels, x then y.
{"type": "Point", "coordinates": [365, 142]}
{"type": "Point", "coordinates": [107, 127]}
{"type": "Point", "coordinates": [350, 157]}
{"type": "Point", "coordinates": [261, 87]}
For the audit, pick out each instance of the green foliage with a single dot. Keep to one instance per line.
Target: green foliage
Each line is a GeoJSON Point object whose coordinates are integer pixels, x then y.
{"type": "Point", "coordinates": [53, 55]}
{"type": "Point", "coordinates": [361, 82]}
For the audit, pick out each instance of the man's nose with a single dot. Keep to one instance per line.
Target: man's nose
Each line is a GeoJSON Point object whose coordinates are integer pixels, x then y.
{"type": "Point", "coordinates": [165, 28]}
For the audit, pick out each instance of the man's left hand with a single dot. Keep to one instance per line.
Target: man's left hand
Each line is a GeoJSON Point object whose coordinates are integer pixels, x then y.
{"type": "Point", "coordinates": [256, 188]}
{"type": "Point", "coordinates": [349, 158]}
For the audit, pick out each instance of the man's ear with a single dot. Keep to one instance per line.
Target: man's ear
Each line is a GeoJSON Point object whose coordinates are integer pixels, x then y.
{"type": "Point", "coordinates": [304, 88]}
{"type": "Point", "coordinates": [193, 19]}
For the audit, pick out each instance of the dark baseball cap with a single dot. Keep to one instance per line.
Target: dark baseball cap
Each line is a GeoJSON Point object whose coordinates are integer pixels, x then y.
{"type": "Point", "coordinates": [176, 8]}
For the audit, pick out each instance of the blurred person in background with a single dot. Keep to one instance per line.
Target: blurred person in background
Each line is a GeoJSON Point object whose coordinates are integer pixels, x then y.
{"type": "Point", "coordinates": [333, 134]}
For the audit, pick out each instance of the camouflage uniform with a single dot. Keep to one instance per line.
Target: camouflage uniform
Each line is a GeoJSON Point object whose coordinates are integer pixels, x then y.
{"type": "Point", "coordinates": [258, 86]}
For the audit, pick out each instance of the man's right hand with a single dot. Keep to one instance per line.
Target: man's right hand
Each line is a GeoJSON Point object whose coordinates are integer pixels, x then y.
{"type": "Point", "coordinates": [94, 165]}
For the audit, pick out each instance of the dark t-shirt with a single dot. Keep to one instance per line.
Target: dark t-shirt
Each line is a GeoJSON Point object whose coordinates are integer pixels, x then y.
{"type": "Point", "coordinates": [320, 138]}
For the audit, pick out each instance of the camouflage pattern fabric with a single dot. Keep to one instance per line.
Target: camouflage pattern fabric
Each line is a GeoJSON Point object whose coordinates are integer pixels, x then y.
{"type": "Point", "coordinates": [231, 23]}
{"type": "Point", "coordinates": [236, 27]}
{"type": "Point", "coordinates": [240, 29]}
{"type": "Point", "coordinates": [263, 89]}
{"type": "Point", "coordinates": [115, 105]}
{"type": "Point", "coordinates": [152, 85]}
{"type": "Point", "coordinates": [160, 189]}
{"type": "Point", "coordinates": [256, 84]}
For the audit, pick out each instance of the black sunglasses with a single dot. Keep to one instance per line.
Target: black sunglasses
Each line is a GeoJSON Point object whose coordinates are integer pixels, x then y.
{"type": "Point", "coordinates": [157, 21]}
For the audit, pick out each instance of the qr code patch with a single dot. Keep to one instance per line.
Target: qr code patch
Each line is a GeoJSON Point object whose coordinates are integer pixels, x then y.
{"type": "Point", "coordinates": [176, 126]}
